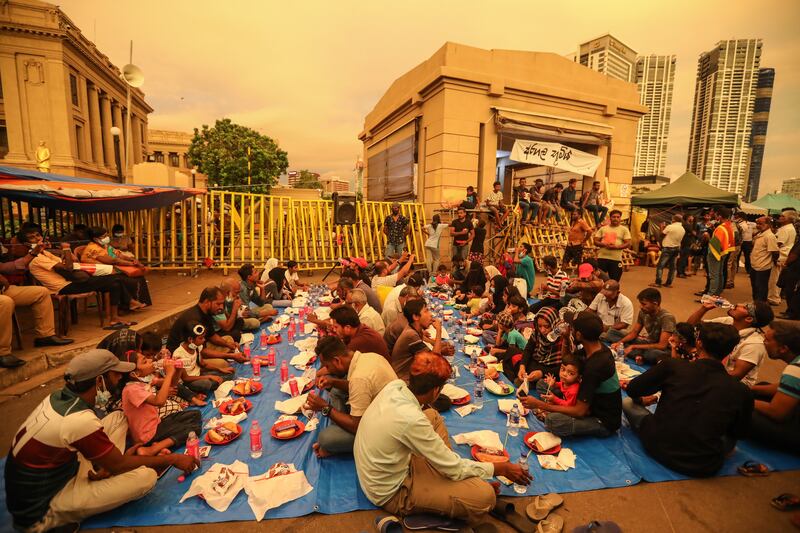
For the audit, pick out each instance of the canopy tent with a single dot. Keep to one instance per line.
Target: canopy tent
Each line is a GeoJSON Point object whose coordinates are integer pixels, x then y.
{"type": "Point", "coordinates": [84, 195]}
{"type": "Point", "coordinates": [752, 209]}
{"type": "Point", "coordinates": [688, 190]}
{"type": "Point", "coordinates": [774, 202]}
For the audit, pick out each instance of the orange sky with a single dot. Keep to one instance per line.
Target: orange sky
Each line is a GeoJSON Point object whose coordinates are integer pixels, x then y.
{"type": "Point", "coordinates": [306, 73]}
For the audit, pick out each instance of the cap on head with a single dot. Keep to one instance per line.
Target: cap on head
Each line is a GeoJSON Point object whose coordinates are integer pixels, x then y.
{"type": "Point", "coordinates": [360, 262]}
{"type": "Point", "coordinates": [505, 319]}
{"type": "Point", "coordinates": [585, 270]}
{"type": "Point", "coordinates": [95, 363]}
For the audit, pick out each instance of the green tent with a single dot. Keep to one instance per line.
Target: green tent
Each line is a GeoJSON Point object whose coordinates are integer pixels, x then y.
{"type": "Point", "coordinates": [688, 190]}
{"type": "Point", "coordinates": [775, 202]}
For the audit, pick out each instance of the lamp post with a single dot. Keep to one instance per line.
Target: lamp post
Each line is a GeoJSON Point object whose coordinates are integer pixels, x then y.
{"type": "Point", "coordinates": [115, 132]}
{"type": "Point", "coordinates": [194, 176]}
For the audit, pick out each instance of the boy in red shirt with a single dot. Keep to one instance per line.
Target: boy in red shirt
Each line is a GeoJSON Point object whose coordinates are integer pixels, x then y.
{"type": "Point", "coordinates": [564, 392]}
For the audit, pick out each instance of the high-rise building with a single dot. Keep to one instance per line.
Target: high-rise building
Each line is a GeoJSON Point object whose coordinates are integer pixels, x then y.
{"type": "Point", "coordinates": [791, 187]}
{"type": "Point", "coordinates": [758, 133]}
{"type": "Point", "coordinates": [724, 98]}
{"type": "Point", "coordinates": [335, 184]}
{"type": "Point", "coordinates": [610, 56]}
{"type": "Point", "coordinates": [655, 76]}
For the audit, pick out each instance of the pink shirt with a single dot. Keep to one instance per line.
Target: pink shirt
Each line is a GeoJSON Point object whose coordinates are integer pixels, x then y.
{"type": "Point", "coordinates": [142, 417]}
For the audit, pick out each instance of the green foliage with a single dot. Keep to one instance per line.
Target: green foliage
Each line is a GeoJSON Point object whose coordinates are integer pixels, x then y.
{"type": "Point", "coordinates": [220, 152]}
{"type": "Point", "coordinates": [307, 180]}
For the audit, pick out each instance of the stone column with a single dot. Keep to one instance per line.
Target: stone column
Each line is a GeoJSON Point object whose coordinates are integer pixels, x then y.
{"type": "Point", "coordinates": [116, 109]}
{"type": "Point", "coordinates": [95, 126]}
{"type": "Point", "coordinates": [136, 126]}
{"type": "Point", "coordinates": [105, 110]}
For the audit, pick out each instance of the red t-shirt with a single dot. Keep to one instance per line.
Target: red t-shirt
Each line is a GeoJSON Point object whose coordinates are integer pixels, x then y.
{"type": "Point", "coordinates": [367, 339]}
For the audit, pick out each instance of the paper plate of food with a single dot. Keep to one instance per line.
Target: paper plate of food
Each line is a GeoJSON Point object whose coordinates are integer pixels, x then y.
{"type": "Point", "coordinates": [475, 331]}
{"type": "Point", "coordinates": [223, 433]}
{"type": "Point", "coordinates": [486, 455]}
{"type": "Point", "coordinates": [287, 429]}
{"type": "Point", "coordinates": [235, 407]}
{"type": "Point", "coordinates": [462, 401]}
{"type": "Point", "coordinates": [275, 338]}
{"type": "Point", "coordinates": [498, 388]}
{"type": "Point", "coordinates": [247, 387]}
{"type": "Point", "coordinates": [545, 444]}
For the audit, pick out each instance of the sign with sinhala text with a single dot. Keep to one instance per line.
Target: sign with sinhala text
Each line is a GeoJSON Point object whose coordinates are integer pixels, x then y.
{"type": "Point", "coordinates": [555, 155]}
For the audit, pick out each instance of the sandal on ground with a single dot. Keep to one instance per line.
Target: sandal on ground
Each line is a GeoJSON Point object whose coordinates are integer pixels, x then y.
{"type": "Point", "coordinates": [552, 524]}
{"type": "Point", "coordinates": [786, 502]}
{"type": "Point", "coordinates": [542, 505]}
{"type": "Point", "coordinates": [753, 469]}
{"type": "Point", "coordinates": [598, 526]}
{"type": "Point", "coordinates": [388, 524]}
{"type": "Point", "coordinates": [432, 521]}
{"type": "Point", "coordinates": [505, 511]}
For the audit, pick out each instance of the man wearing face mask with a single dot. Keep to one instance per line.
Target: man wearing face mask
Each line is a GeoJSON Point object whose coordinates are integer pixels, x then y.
{"type": "Point", "coordinates": [396, 227]}
{"type": "Point", "coordinates": [66, 465]}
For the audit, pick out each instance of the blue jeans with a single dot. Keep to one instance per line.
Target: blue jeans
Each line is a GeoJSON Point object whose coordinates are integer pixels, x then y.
{"type": "Point", "coordinates": [394, 249]}
{"type": "Point", "coordinates": [599, 212]}
{"type": "Point", "coordinates": [715, 282]}
{"type": "Point", "coordinates": [567, 426]}
{"type": "Point", "coordinates": [534, 206]}
{"type": "Point", "coordinates": [333, 438]}
{"type": "Point", "coordinates": [668, 257]}
{"type": "Point", "coordinates": [650, 356]}
{"type": "Point", "coordinates": [526, 207]}
{"type": "Point", "coordinates": [634, 412]}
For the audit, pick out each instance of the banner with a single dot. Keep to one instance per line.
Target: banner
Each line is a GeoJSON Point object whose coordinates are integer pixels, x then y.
{"type": "Point", "coordinates": [555, 155]}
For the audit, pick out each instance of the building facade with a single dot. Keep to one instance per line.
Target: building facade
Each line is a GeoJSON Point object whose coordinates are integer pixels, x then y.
{"type": "Point", "coordinates": [168, 161]}
{"type": "Point", "coordinates": [655, 77]}
{"type": "Point", "coordinates": [57, 88]}
{"type": "Point", "coordinates": [791, 187]}
{"type": "Point", "coordinates": [609, 56]}
{"type": "Point", "coordinates": [452, 120]}
{"type": "Point", "coordinates": [758, 133]}
{"type": "Point", "coordinates": [724, 99]}
{"type": "Point", "coordinates": [334, 184]}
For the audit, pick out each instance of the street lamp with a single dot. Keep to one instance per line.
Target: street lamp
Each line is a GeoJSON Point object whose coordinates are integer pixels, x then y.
{"type": "Point", "coordinates": [194, 176]}
{"type": "Point", "coordinates": [115, 132]}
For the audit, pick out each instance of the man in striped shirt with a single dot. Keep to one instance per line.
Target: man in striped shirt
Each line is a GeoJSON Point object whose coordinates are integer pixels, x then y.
{"type": "Point", "coordinates": [776, 419]}
{"type": "Point", "coordinates": [554, 287]}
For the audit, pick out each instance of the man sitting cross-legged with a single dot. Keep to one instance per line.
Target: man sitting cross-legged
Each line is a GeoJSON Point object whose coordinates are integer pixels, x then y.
{"type": "Point", "coordinates": [365, 375]}
{"type": "Point", "coordinates": [403, 456]}
{"type": "Point", "coordinates": [702, 410]}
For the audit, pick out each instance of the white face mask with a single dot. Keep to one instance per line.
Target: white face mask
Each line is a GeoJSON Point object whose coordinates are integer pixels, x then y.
{"type": "Point", "coordinates": [105, 240]}
{"type": "Point", "coordinates": [103, 396]}
{"type": "Point", "coordinates": [118, 235]}
{"type": "Point", "coordinates": [193, 346]}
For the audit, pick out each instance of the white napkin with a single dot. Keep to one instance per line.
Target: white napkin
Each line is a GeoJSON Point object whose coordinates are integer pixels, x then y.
{"type": "Point", "coordinates": [563, 461]}
{"type": "Point", "coordinates": [326, 299]}
{"type": "Point", "coordinates": [471, 339]}
{"type": "Point", "coordinates": [323, 313]}
{"type": "Point", "coordinates": [282, 320]}
{"type": "Point", "coordinates": [306, 345]}
{"type": "Point", "coordinates": [472, 348]}
{"type": "Point", "coordinates": [247, 338]}
{"type": "Point", "coordinates": [301, 360]}
{"type": "Point", "coordinates": [453, 392]}
{"type": "Point", "coordinates": [301, 383]}
{"type": "Point", "coordinates": [224, 389]}
{"type": "Point", "coordinates": [624, 371]}
{"type": "Point", "coordinates": [523, 422]}
{"type": "Point", "coordinates": [484, 438]}
{"type": "Point", "coordinates": [265, 493]}
{"type": "Point", "coordinates": [464, 410]}
{"type": "Point", "coordinates": [309, 328]}
{"type": "Point", "coordinates": [275, 327]}
{"type": "Point", "coordinates": [545, 440]}
{"type": "Point", "coordinates": [524, 387]}
{"type": "Point", "coordinates": [447, 312]}
{"type": "Point", "coordinates": [219, 498]}
{"type": "Point", "coordinates": [506, 405]}
{"type": "Point", "coordinates": [219, 401]}
{"type": "Point", "coordinates": [475, 331]}
{"type": "Point", "coordinates": [297, 303]}
{"type": "Point", "coordinates": [312, 424]}
{"type": "Point", "coordinates": [494, 387]}
{"type": "Point", "coordinates": [488, 359]}
{"type": "Point", "coordinates": [292, 405]}
{"type": "Point", "coordinates": [432, 332]}
{"type": "Point", "coordinates": [217, 420]}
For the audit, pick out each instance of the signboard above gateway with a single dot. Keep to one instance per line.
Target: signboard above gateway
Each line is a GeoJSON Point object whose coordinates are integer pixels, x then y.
{"type": "Point", "coordinates": [555, 155]}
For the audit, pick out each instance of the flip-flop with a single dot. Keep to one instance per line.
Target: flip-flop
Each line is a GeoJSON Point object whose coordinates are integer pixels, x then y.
{"type": "Point", "coordinates": [505, 511]}
{"type": "Point", "coordinates": [388, 524]}
{"type": "Point", "coordinates": [552, 524]}
{"type": "Point", "coordinates": [432, 521]}
{"type": "Point", "coordinates": [598, 526]}
{"type": "Point", "coordinates": [786, 502]}
{"type": "Point", "coordinates": [753, 469]}
{"type": "Point", "coordinates": [118, 325]}
{"type": "Point", "coordinates": [542, 505]}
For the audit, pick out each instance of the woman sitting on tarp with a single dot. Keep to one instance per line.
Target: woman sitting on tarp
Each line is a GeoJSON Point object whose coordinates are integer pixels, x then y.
{"type": "Point", "coordinates": [99, 250]}
{"type": "Point", "coordinates": [276, 290]}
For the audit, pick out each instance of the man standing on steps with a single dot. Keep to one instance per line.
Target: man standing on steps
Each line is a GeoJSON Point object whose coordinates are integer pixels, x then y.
{"type": "Point", "coordinates": [461, 229]}
{"type": "Point", "coordinates": [612, 240]}
{"type": "Point", "coordinates": [670, 248]}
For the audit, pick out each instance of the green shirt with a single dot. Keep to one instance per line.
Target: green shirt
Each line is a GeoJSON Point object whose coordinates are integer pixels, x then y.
{"type": "Point", "coordinates": [526, 271]}
{"type": "Point", "coordinates": [515, 338]}
{"type": "Point", "coordinates": [617, 235]}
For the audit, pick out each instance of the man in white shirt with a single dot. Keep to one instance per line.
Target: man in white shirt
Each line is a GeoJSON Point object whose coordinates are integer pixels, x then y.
{"type": "Point", "coordinates": [293, 278]}
{"type": "Point", "coordinates": [403, 456]}
{"type": "Point", "coordinates": [383, 271]}
{"type": "Point", "coordinates": [613, 308]}
{"type": "Point", "coordinates": [746, 359]}
{"type": "Point", "coordinates": [366, 314]}
{"type": "Point", "coordinates": [392, 307]}
{"type": "Point", "coordinates": [670, 250]}
{"type": "Point", "coordinates": [785, 236]}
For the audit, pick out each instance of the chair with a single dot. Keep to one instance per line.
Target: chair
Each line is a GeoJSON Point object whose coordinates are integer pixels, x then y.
{"type": "Point", "coordinates": [65, 308]}
{"type": "Point", "coordinates": [16, 332]}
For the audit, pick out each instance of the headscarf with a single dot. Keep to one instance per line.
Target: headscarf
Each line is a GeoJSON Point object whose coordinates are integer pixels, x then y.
{"type": "Point", "coordinates": [270, 264]}
{"type": "Point", "coordinates": [546, 352]}
{"type": "Point", "coordinates": [475, 276]}
{"type": "Point", "coordinates": [491, 271]}
{"type": "Point", "coordinates": [500, 284]}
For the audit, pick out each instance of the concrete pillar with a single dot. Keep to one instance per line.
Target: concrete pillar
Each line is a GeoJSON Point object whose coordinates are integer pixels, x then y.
{"type": "Point", "coordinates": [116, 110]}
{"type": "Point", "coordinates": [13, 109]}
{"type": "Point", "coordinates": [105, 111]}
{"type": "Point", "coordinates": [95, 126]}
{"type": "Point", "coordinates": [136, 126]}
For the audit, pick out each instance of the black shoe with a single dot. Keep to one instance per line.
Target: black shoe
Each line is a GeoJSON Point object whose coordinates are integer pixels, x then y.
{"type": "Point", "coordinates": [699, 293]}
{"type": "Point", "coordinates": [10, 361]}
{"type": "Point", "coordinates": [52, 340]}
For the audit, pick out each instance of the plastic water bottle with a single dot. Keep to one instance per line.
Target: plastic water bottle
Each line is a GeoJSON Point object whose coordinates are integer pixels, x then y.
{"type": "Point", "coordinates": [164, 353]}
{"type": "Point", "coordinates": [481, 373]}
{"type": "Point", "coordinates": [523, 463]}
{"type": "Point", "coordinates": [284, 372]}
{"type": "Point", "coordinates": [513, 421]}
{"type": "Point", "coordinates": [263, 338]}
{"type": "Point", "coordinates": [619, 356]}
{"type": "Point", "coordinates": [255, 440]}
{"type": "Point", "coordinates": [556, 332]}
{"type": "Point", "coordinates": [193, 445]}
{"type": "Point", "coordinates": [473, 361]}
{"type": "Point", "coordinates": [718, 301]}
{"type": "Point", "coordinates": [257, 369]}
{"type": "Point", "coordinates": [477, 397]}
{"type": "Point", "coordinates": [451, 362]}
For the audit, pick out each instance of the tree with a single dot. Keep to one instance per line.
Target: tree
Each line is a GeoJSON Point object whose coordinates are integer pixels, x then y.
{"type": "Point", "coordinates": [220, 152]}
{"type": "Point", "coordinates": [307, 180]}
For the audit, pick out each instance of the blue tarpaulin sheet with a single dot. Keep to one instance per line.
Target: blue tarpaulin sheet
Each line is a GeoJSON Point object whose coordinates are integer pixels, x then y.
{"type": "Point", "coordinates": [601, 463]}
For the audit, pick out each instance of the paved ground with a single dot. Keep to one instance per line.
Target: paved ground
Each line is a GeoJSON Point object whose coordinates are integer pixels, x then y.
{"type": "Point", "coordinates": [731, 504]}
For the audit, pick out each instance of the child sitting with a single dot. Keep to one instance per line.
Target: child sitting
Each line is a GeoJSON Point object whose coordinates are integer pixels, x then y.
{"type": "Point", "coordinates": [682, 342]}
{"type": "Point", "coordinates": [442, 278]}
{"type": "Point", "coordinates": [474, 299]}
{"type": "Point", "coordinates": [151, 347]}
{"type": "Point", "coordinates": [565, 391]}
{"type": "Point", "coordinates": [189, 353]}
{"type": "Point", "coordinates": [510, 342]}
{"type": "Point", "coordinates": [155, 434]}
